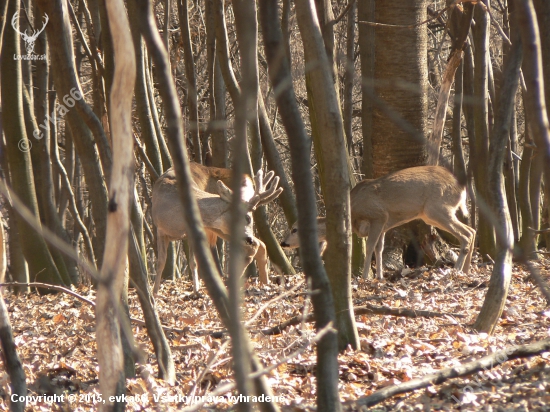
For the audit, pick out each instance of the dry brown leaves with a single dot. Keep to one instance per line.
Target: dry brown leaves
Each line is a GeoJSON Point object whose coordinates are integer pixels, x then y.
{"type": "Point", "coordinates": [56, 342]}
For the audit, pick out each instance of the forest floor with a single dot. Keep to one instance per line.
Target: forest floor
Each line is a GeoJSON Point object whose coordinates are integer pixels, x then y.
{"type": "Point", "coordinates": [55, 338]}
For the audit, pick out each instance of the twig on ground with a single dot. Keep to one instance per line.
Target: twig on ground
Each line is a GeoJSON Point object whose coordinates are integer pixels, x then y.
{"type": "Point", "coordinates": [362, 310]}
{"type": "Point", "coordinates": [485, 363]}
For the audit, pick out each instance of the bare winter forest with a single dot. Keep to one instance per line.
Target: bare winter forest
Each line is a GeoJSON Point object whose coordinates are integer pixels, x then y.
{"type": "Point", "coordinates": [288, 205]}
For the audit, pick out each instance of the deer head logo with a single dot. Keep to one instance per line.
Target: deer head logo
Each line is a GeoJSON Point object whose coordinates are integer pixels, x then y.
{"type": "Point", "coordinates": [29, 39]}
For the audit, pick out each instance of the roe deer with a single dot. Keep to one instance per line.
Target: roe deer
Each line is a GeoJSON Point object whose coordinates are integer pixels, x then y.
{"type": "Point", "coordinates": [206, 178]}
{"type": "Point", "coordinates": [168, 214]}
{"type": "Point", "coordinates": [292, 241]}
{"type": "Point", "coordinates": [430, 193]}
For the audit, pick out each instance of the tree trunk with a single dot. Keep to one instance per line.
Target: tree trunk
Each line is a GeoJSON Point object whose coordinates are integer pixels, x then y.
{"type": "Point", "coordinates": [495, 299]}
{"type": "Point", "coordinates": [534, 101]}
{"type": "Point", "coordinates": [246, 108]}
{"type": "Point", "coordinates": [542, 9]}
{"type": "Point", "coordinates": [112, 276]}
{"type": "Point", "coordinates": [330, 146]}
{"type": "Point", "coordinates": [365, 13]}
{"type": "Point", "coordinates": [459, 31]}
{"type": "Point", "coordinates": [138, 277]}
{"type": "Point", "coordinates": [300, 148]}
{"type": "Point", "coordinates": [480, 148]}
{"type": "Point", "coordinates": [399, 122]}
{"type": "Point", "coordinates": [400, 57]}
{"type": "Point", "coordinates": [266, 235]}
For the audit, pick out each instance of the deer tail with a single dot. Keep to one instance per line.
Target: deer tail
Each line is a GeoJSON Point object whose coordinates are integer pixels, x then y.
{"type": "Point", "coordinates": [463, 206]}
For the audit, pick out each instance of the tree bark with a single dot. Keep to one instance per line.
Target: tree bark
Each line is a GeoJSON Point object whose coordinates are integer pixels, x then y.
{"type": "Point", "coordinates": [111, 282]}
{"type": "Point", "coordinates": [246, 108]}
{"type": "Point", "coordinates": [365, 12]}
{"type": "Point", "coordinates": [400, 59]}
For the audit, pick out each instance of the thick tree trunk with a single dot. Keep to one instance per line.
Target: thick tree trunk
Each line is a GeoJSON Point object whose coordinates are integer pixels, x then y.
{"type": "Point", "coordinates": [112, 276]}
{"type": "Point", "coordinates": [400, 59]}
{"type": "Point", "coordinates": [365, 13]}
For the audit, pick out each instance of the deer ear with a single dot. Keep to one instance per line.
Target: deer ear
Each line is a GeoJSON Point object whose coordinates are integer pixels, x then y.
{"type": "Point", "coordinates": [224, 192]}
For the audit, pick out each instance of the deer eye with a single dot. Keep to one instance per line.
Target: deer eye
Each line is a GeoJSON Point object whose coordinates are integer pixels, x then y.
{"type": "Point", "coordinates": [248, 219]}
{"type": "Point", "coordinates": [294, 230]}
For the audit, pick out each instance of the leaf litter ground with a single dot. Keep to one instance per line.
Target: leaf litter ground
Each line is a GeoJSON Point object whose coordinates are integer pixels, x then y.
{"type": "Point", "coordinates": [55, 339]}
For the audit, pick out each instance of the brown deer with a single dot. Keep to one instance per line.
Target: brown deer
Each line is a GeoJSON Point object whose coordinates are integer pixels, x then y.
{"type": "Point", "coordinates": [292, 241]}
{"type": "Point", "coordinates": [430, 193]}
{"type": "Point", "coordinates": [168, 214]}
{"type": "Point", "coordinates": [206, 178]}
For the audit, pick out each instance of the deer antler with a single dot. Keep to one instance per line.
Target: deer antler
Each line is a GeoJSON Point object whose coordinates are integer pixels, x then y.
{"type": "Point", "coordinates": [266, 189]}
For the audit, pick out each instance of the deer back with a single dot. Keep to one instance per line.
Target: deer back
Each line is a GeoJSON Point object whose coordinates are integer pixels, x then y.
{"type": "Point", "coordinates": [206, 178]}
{"type": "Point", "coordinates": [403, 195]}
{"type": "Point", "coordinates": [169, 215]}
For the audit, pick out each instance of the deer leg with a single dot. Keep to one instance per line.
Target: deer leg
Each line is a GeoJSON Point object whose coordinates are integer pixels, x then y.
{"type": "Point", "coordinates": [322, 247]}
{"type": "Point", "coordinates": [465, 235]}
{"type": "Point", "coordinates": [378, 255]}
{"type": "Point", "coordinates": [193, 267]}
{"type": "Point", "coordinates": [376, 229]}
{"type": "Point", "coordinates": [261, 262]}
{"type": "Point", "coordinates": [162, 246]}
{"type": "Point", "coordinates": [468, 261]}
{"type": "Point", "coordinates": [212, 240]}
